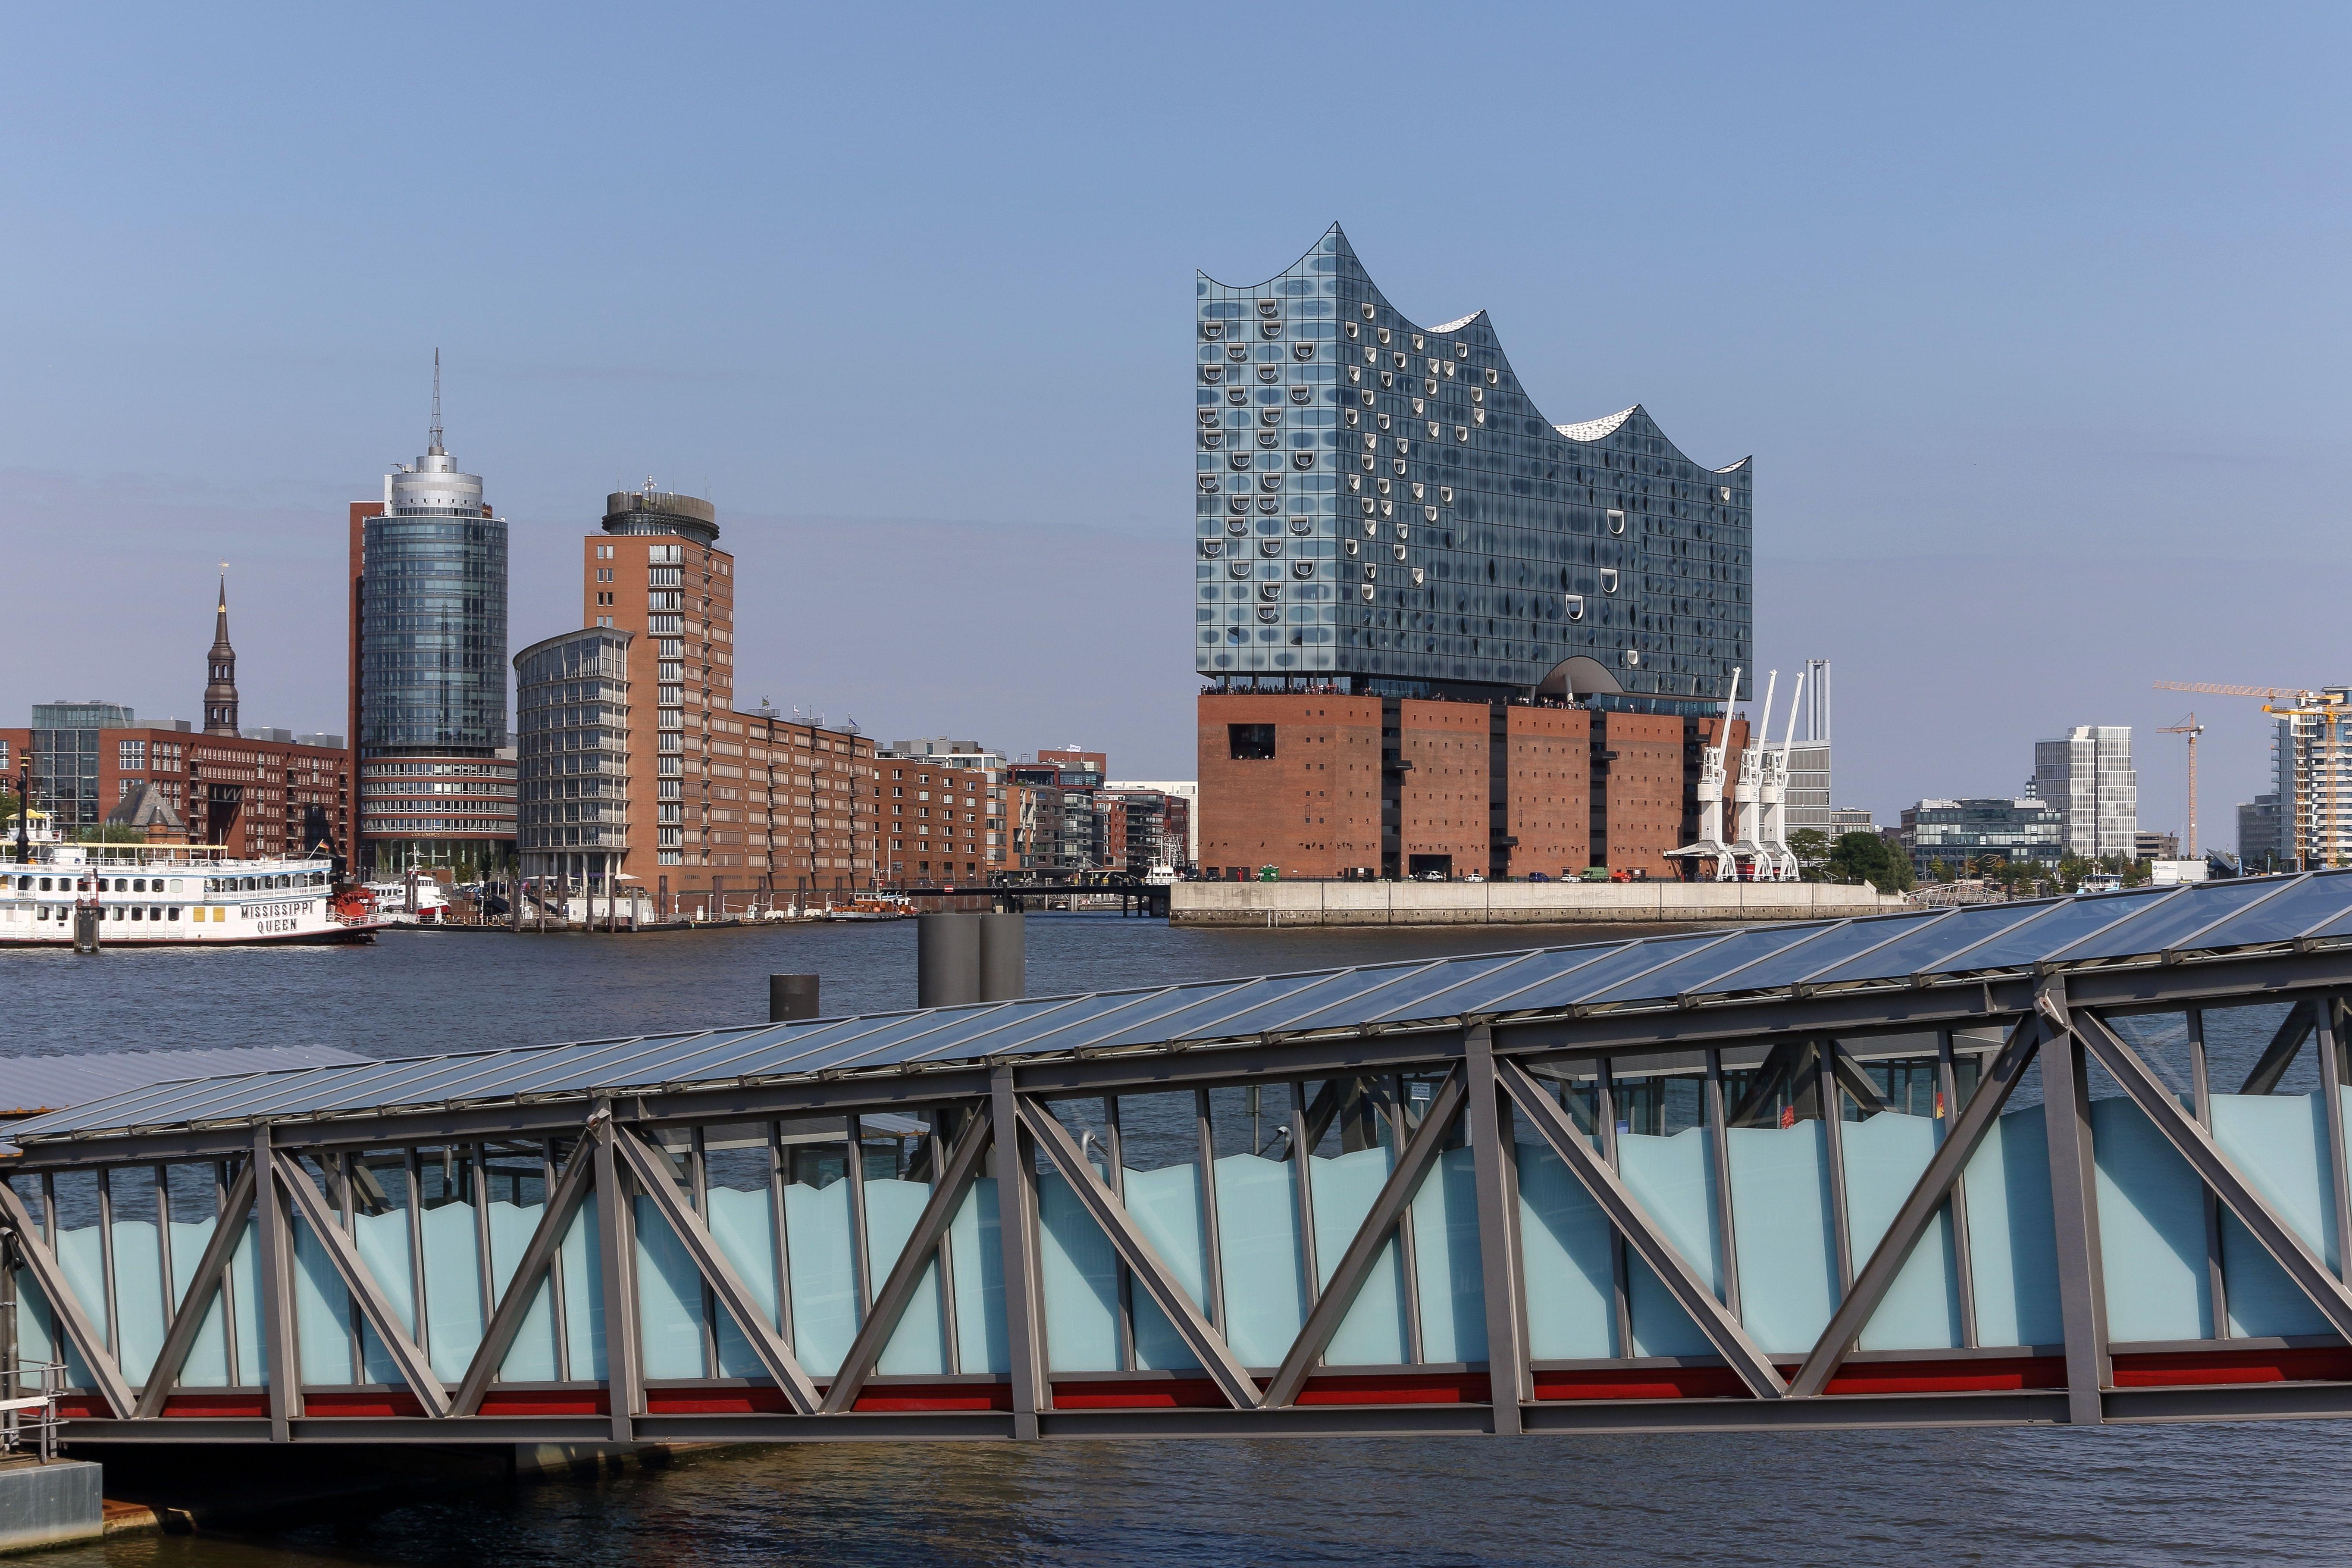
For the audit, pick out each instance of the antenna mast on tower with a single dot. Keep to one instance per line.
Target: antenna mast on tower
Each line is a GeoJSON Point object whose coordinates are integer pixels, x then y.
{"type": "Point", "coordinates": [434, 447]}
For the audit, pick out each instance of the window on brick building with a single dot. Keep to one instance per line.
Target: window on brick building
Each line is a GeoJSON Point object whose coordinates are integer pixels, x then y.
{"type": "Point", "coordinates": [1250, 742]}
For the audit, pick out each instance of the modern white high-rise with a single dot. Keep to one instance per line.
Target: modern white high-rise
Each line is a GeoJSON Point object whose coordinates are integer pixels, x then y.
{"type": "Point", "coordinates": [2312, 768]}
{"type": "Point", "coordinates": [2088, 776]}
{"type": "Point", "coordinates": [1809, 757]}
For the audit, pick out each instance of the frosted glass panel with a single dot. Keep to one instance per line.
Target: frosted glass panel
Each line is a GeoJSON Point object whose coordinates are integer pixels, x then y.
{"type": "Point", "coordinates": [139, 1293]}
{"type": "Point", "coordinates": [2276, 1140]}
{"type": "Point", "coordinates": [2152, 1230]}
{"type": "Point", "coordinates": [1453, 1296]}
{"type": "Point", "coordinates": [978, 1253]}
{"type": "Point", "coordinates": [669, 1299]}
{"type": "Point", "coordinates": [1885, 1158]}
{"type": "Point", "coordinates": [245, 1281]}
{"type": "Point", "coordinates": [1080, 1274]}
{"type": "Point", "coordinates": [1674, 1179]}
{"type": "Point", "coordinates": [207, 1363]}
{"type": "Point", "coordinates": [1258, 1232]}
{"type": "Point", "coordinates": [531, 1355]}
{"type": "Point", "coordinates": [1564, 1241]}
{"type": "Point", "coordinates": [582, 1263]}
{"type": "Point", "coordinates": [84, 1274]}
{"type": "Point", "coordinates": [919, 1344]}
{"type": "Point", "coordinates": [1166, 1208]}
{"type": "Point", "coordinates": [322, 1311]}
{"type": "Point", "coordinates": [453, 1288]}
{"type": "Point", "coordinates": [1372, 1333]}
{"type": "Point", "coordinates": [825, 1308]}
{"type": "Point", "coordinates": [743, 1227]}
{"type": "Point", "coordinates": [1781, 1218]}
{"type": "Point", "coordinates": [2013, 1250]}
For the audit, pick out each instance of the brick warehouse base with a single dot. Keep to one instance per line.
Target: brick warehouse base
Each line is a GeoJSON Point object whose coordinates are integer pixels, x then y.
{"type": "Point", "coordinates": [1321, 784]}
{"type": "Point", "coordinates": [1516, 903]}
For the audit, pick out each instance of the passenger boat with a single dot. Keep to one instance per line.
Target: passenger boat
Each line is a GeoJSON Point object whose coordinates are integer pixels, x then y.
{"type": "Point", "coordinates": [871, 906]}
{"type": "Point", "coordinates": [393, 902]}
{"type": "Point", "coordinates": [170, 895]}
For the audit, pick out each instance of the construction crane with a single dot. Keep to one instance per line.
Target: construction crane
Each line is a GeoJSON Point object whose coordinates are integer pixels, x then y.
{"type": "Point", "coordinates": [2192, 729]}
{"type": "Point", "coordinates": [2314, 838]}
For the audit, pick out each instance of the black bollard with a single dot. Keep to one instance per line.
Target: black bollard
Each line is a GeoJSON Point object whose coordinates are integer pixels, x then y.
{"type": "Point", "coordinates": [947, 960]}
{"type": "Point", "coordinates": [1004, 957]}
{"type": "Point", "coordinates": [790, 996]}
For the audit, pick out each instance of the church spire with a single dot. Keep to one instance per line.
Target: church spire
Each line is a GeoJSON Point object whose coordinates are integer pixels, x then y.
{"type": "Point", "coordinates": [220, 685]}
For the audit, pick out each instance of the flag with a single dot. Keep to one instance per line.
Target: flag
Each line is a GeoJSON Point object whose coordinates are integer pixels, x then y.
{"type": "Point", "coordinates": [1787, 1116]}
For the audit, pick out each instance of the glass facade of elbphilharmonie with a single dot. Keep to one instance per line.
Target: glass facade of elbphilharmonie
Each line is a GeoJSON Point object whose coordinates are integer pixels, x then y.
{"type": "Point", "coordinates": [1381, 506]}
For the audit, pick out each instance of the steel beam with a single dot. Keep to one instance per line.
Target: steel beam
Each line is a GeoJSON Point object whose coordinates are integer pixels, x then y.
{"type": "Point", "coordinates": [415, 1368]}
{"type": "Point", "coordinates": [2279, 1055]}
{"type": "Point", "coordinates": [919, 1253]}
{"type": "Point", "coordinates": [1917, 1213]}
{"type": "Point", "coordinates": [615, 1243]}
{"type": "Point", "coordinates": [1142, 1260]}
{"type": "Point", "coordinates": [651, 1170]}
{"type": "Point", "coordinates": [1348, 1276]}
{"type": "Point", "coordinates": [2074, 1209]}
{"type": "Point", "coordinates": [2280, 1239]}
{"type": "Point", "coordinates": [188, 1317]}
{"type": "Point", "coordinates": [83, 1333]}
{"type": "Point", "coordinates": [555, 1218]}
{"type": "Point", "coordinates": [1495, 1174]}
{"type": "Point", "coordinates": [1016, 1230]}
{"type": "Point", "coordinates": [1642, 1233]}
{"type": "Point", "coordinates": [280, 1351]}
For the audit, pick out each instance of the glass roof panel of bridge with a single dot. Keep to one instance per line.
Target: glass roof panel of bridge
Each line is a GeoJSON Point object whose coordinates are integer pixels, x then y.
{"type": "Point", "coordinates": [2159, 925]}
{"type": "Point", "coordinates": [2303, 910]}
{"type": "Point", "coordinates": [1935, 937]}
{"type": "Point", "coordinates": [1693, 970]}
{"type": "Point", "coordinates": [1825, 949]}
{"type": "Point", "coordinates": [2256, 912]}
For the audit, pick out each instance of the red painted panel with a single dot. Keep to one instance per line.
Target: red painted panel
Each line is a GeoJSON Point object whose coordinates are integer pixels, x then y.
{"type": "Point", "coordinates": [1947, 1376]}
{"type": "Point", "coordinates": [2171, 1369]}
{"type": "Point", "coordinates": [1176, 1394]}
{"type": "Point", "coordinates": [547, 1402]}
{"type": "Point", "coordinates": [1641, 1382]}
{"type": "Point", "coordinates": [1397, 1388]}
{"type": "Point", "coordinates": [716, 1402]}
{"type": "Point", "coordinates": [216, 1405]}
{"type": "Point", "coordinates": [385, 1401]}
{"type": "Point", "coordinates": [88, 1405]}
{"type": "Point", "coordinates": [935, 1396]}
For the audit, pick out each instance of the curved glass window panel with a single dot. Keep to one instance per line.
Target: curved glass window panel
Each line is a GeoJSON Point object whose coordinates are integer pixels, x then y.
{"type": "Point", "coordinates": [1696, 969]}
{"type": "Point", "coordinates": [2279, 1141]}
{"type": "Point", "coordinates": [2190, 910]}
{"type": "Point", "coordinates": [1824, 949]}
{"type": "Point", "coordinates": [978, 1256]}
{"type": "Point", "coordinates": [1884, 1156]}
{"type": "Point", "coordinates": [2013, 1248]}
{"type": "Point", "coordinates": [2054, 929]}
{"type": "Point", "coordinates": [2316, 902]}
{"type": "Point", "coordinates": [1937, 938]}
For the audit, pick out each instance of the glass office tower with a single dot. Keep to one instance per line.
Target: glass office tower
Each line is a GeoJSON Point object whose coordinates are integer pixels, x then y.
{"type": "Point", "coordinates": [436, 774]}
{"type": "Point", "coordinates": [1380, 507]}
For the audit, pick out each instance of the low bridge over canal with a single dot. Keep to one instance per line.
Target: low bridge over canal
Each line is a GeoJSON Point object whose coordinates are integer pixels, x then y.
{"type": "Point", "coordinates": [2077, 1160]}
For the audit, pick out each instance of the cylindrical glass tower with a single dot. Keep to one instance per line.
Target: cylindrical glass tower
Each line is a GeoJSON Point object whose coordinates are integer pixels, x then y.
{"type": "Point", "coordinates": [437, 776]}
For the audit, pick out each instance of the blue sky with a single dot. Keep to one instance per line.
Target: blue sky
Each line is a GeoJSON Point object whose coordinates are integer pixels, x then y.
{"type": "Point", "coordinates": [2032, 318]}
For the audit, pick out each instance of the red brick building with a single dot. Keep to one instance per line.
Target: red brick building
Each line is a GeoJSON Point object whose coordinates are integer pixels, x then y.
{"type": "Point", "coordinates": [936, 820]}
{"type": "Point", "coordinates": [257, 798]}
{"type": "Point", "coordinates": [1326, 785]}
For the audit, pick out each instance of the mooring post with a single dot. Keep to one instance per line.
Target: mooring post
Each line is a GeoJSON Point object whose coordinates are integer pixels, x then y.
{"type": "Point", "coordinates": [790, 996]}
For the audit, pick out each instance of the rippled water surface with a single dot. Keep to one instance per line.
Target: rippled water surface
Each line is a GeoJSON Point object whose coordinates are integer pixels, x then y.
{"type": "Point", "coordinates": [2270, 1494]}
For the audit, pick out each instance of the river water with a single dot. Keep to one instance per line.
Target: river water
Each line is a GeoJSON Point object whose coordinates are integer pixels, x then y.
{"type": "Point", "coordinates": [2176, 1495]}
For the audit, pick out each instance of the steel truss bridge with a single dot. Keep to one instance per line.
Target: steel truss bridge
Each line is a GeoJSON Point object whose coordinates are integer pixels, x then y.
{"type": "Point", "coordinates": [2074, 1161]}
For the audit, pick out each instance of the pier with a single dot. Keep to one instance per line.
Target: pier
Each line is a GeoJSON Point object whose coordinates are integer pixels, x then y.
{"type": "Point", "coordinates": [2069, 1161]}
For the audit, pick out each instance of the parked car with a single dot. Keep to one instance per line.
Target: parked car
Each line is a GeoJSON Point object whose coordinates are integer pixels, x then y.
{"type": "Point", "coordinates": [1475, 877]}
{"type": "Point", "coordinates": [1538, 876]}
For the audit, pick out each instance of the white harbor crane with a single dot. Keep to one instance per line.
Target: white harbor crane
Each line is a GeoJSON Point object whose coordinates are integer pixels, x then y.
{"type": "Point", "coordinates": [1748, 794]}
{"type": "Point", "coordinates": [1777, 862]}
{"type": "Point", "coordinates": [1709, 845]}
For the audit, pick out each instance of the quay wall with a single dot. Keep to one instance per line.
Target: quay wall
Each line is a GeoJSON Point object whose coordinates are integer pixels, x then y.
{"type": "Point", "coordinates": [1319, 904]}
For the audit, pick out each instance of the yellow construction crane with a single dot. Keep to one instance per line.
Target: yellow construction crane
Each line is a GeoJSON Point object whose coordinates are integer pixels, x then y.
{"type": "Point", "coordinates": [2192, 729]}
{"type": "Point", "coordinates": [2315, 839]}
